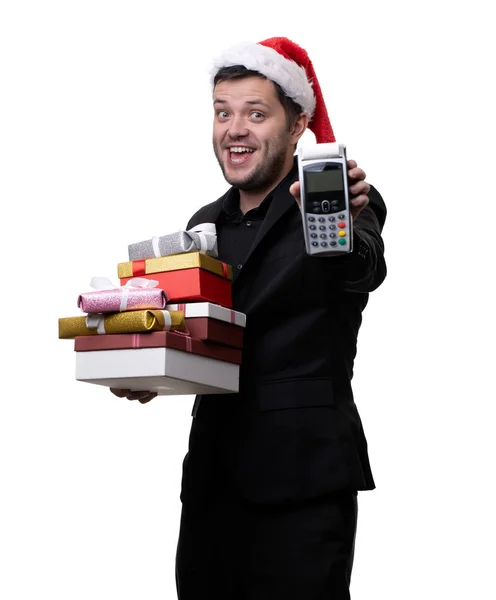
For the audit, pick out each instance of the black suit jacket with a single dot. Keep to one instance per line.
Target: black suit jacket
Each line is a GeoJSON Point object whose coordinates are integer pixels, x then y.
{"type": "Point", "coordinates": [293, 431]}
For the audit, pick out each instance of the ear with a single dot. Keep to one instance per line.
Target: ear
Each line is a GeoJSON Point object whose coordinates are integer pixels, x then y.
{"type": "Point", "coordinates": [299, 127]}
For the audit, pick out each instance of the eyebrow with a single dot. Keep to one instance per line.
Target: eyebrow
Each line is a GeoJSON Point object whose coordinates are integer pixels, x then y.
{"type": "Point", "coordinates": [250, 102]}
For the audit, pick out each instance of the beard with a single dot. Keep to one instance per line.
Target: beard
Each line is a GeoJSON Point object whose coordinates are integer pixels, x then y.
{"type": "Point", "coordinates": [268, 169]}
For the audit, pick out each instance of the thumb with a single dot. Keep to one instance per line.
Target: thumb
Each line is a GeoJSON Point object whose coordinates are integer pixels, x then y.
{"type": "Point", "coordinates": [294, 190]}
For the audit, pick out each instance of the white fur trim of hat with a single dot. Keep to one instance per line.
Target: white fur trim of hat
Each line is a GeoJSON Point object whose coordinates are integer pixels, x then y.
{"type": "Point", "coordinates": [268, 62]}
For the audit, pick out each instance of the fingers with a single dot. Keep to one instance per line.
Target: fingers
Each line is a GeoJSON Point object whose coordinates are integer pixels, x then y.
{"type": "Point", "coordinates": [354, 172]}
{"type": "Point", "coordinates": [359, 188]}
{"type": "Point", "coordinates": [147, 398]}
{"type": "Point", "coordinates": [358, 204]}
{"type": "Point", "coordinates": [142, 397]}
{"type": "Point", "coordinates": [119, 393]}
{"type": "Point", "coordinates": [357, 174]}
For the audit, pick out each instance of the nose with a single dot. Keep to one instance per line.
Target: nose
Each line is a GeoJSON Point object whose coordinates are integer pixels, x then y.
{"type": "Point", "coordinates": [237, 128]}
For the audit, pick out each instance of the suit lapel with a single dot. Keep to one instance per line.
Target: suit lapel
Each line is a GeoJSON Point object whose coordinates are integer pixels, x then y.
{"type": "Point", "coordinates": [212, 214]}
{"type": "Point", "coordinates": [280, 205]}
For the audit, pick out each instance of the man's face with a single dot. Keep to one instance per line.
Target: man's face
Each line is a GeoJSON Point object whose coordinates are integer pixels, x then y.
{"type": "Point", "coordinates": [251, 138]}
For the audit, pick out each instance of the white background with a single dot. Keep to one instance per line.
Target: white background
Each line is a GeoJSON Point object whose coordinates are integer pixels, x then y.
{"type": "Point", "coordinates": [105, 140]}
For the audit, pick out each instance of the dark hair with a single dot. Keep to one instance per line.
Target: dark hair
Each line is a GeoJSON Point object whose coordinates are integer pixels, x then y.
{"type": "Point", "coordinates": [291, 108]}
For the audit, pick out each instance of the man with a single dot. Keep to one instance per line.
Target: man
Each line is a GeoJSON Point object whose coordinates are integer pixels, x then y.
{"type": "Point", "coordinates": [271, 477]}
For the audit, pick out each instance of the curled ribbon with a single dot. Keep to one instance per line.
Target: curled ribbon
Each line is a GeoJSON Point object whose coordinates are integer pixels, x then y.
{"type": "Point", "coordinates": [203, 230]}
{"type": "Point", "coordinates": [103, 283]}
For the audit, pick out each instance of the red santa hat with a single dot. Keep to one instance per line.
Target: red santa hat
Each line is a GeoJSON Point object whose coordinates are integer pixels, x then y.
{"type": "Point", "coordinates": [288, 65]}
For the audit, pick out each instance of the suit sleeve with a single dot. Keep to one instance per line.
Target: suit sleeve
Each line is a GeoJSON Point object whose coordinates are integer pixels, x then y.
{"type": "Point", "coordinates": [364, 269]}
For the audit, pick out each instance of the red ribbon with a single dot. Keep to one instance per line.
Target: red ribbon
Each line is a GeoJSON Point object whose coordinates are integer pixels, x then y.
{"type": "Point", "coordinates": [139, 267]}
{"type": "Point", "coordinates": [186, 332]}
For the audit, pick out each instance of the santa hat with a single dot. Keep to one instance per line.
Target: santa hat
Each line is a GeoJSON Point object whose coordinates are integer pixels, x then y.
{"type": "Point", "coordinates": [288, 65]}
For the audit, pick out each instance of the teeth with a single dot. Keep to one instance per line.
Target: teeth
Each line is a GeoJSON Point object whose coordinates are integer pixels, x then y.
{"type": "Point", "coordinates": [240, 149]}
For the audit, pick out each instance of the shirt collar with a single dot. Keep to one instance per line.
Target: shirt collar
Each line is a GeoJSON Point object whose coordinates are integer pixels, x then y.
{"type": "Point", "coordinates": [230, 205]}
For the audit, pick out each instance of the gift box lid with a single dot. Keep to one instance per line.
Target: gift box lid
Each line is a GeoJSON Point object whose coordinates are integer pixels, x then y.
{"type": "Point", "coordinates": [158, 339]}
{"type": "Point", "coordinates": [211, 310]}
{"type": "Point", "coordinates": [174, 262]}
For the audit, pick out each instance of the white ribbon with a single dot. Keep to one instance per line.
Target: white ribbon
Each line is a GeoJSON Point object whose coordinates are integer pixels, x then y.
{"type": "Point", "coordinates": [95, 321]}
{"type": "Point", "coordinates": [155, 246]}
{"type": "Point", "coordinates": [203, 230]}
{"type": "Point", "coordinates": [168, 319]}
{"type": "Point", "coordinates": [103, 283]}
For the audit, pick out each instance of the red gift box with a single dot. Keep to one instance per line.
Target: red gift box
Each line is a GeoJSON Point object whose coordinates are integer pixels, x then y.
{"type": "Point", "coordinates": [157, 339]}
{"type": "Point", "coordinates": [192, 285]}
{"type": "Point", "coordinates": [213, 330]}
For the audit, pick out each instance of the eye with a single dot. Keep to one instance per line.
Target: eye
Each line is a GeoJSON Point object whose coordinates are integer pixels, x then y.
{"type": "Point", "coordinates": [258, 116]}
{"type": "Point", "coordinates": [222, 114]}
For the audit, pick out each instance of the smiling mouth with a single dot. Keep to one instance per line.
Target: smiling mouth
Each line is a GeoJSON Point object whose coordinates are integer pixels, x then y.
{"type": "Point", "coordinates": [239, 154]}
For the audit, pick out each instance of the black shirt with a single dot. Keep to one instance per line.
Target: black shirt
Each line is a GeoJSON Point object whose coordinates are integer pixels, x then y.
{"type": "Point", "coordinates": [236, 231]}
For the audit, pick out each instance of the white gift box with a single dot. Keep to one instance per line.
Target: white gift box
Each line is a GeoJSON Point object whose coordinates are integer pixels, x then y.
{"type": "Point", "coordinates": [163, 370]}
{"type": "Point", "coordinates": [213, 311]}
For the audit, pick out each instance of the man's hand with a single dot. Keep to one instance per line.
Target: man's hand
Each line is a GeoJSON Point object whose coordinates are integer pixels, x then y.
{"type": "Point", "coordinates": [357, 185]}
{"type": "Point", "coordinates": [142, 397]}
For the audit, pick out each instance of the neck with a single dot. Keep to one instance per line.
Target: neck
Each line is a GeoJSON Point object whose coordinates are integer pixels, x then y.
{"type": "Point", "coordinates": [249, 199]}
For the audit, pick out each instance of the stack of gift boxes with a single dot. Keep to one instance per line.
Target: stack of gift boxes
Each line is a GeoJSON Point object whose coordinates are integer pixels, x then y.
{"type": "Point", "coordinates": [168, 327]}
